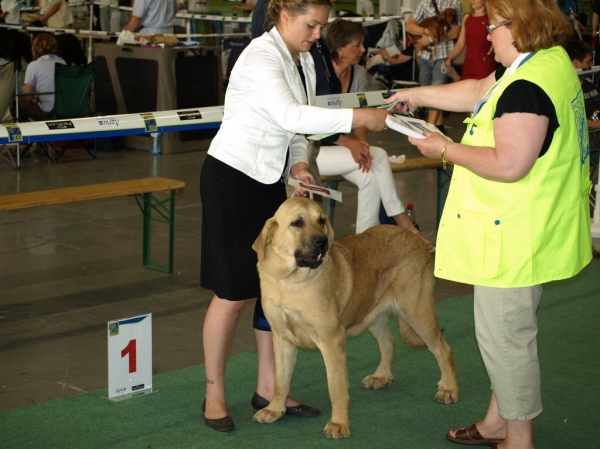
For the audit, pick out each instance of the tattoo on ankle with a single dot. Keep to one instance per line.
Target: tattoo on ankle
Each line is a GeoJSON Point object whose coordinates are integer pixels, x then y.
{"type": "Point", "coordinates": [210, 381]}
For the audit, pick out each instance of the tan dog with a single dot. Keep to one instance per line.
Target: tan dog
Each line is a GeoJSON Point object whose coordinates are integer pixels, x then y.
{"type": "Point", "coordinates": [316, 292]}
{"type": "Point", "coordinates": [437, 26]}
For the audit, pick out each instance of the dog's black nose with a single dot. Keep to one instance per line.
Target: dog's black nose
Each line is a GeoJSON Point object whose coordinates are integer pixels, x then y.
{"type": "Point", "coordinates": [320, 241]}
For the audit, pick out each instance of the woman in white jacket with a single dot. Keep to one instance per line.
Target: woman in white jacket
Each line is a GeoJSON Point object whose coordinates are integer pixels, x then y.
{"type": "Point", "coordinates": [242, 183]}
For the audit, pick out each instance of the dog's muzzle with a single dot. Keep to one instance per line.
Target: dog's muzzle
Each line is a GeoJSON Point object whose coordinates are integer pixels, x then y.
{"type": "Point", "coordinates": [313, 257]}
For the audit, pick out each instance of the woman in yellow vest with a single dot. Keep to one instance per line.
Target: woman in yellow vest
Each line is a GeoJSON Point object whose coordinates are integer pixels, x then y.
{"type": "Point", "coordinates": [517, 214]}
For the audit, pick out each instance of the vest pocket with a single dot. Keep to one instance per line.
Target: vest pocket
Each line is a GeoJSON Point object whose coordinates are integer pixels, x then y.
{"type": "Point", "coordinates": [479, 242]}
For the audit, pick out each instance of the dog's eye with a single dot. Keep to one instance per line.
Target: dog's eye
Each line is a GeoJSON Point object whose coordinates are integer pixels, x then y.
{"type": "Point", "coordinates": [297, 223]}
{"type": "Point", "coordinates": [322, 221]}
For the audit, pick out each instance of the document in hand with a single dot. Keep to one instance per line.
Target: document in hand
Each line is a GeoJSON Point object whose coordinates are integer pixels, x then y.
{"type": "Point", "coordinates": [412, 127]}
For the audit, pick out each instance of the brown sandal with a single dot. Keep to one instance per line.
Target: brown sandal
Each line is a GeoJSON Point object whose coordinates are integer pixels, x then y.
{"type": "Point", "coordinates": [471, 436]}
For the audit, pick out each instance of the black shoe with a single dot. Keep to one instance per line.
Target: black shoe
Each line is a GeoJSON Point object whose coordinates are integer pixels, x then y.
{"type": "Point", "coordinates": [301, 411]}
{"type": "Point", "coordinates": [221, 424]}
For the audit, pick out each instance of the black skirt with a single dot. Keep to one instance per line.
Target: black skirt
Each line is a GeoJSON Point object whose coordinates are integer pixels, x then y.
{"type": "Point", "coordinates": [235, 208]}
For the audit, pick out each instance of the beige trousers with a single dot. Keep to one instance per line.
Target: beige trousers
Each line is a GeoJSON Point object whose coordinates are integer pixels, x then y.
{"type": "Point", "coordinates": [506, 331]}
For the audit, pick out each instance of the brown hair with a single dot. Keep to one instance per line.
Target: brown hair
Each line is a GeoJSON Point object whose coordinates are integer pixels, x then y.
{"type": "Point", "coordinates": [536, 24]}
{"type": "Point", "coordinates": [295, 7]}
{"type": "Point", "coordinates": [341, 33]}
{"type": "Point", "coordinates": [43, 44]}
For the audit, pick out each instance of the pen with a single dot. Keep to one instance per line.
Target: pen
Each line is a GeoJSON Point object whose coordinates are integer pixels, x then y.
{"type": "Point", "coordinates": [390, 93]}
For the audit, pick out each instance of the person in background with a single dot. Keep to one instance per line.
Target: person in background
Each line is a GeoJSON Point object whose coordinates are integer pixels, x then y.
{"type": "Point", "coordinates": [39, 77]}
{"type": "Point", "coordinates": [595, 21]}
{"type": "Point", "coordinates": [56, 13]}
{"type": "Point", "coordinates": [266, 112]}
{"type": "Point", "coordinates": [352, 157]}
{"type": "Point", "coordinates": [479, 61]}
{"type": "Point", "coordinates": [11, 12]}
{"type": "Point", "coordinates": [518, 197]}
{"type": "Point", "coordinates": [110, 15]}
{"type": "Point", "coordinates": [365, 7]}
{"type": "Point", "coordinates": [580, 54]}
{"type": "Point", "coordinates": [431, 68]}
{"type": "Point", "coordinates": [152, 17]}
{"type": "Point", "coordinates": [69, 48]}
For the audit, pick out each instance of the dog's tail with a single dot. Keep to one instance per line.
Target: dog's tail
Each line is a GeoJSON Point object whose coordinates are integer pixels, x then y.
{"type": "Point", "coordinates": [409, 336]}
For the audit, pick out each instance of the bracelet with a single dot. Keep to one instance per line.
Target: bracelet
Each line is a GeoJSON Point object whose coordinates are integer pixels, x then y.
{"type": "Point", "coordinates": [445, 160]}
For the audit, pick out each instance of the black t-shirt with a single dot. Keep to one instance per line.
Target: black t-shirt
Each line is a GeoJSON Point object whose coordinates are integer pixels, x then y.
{"type": "Point", "coordinates": [528, 97]}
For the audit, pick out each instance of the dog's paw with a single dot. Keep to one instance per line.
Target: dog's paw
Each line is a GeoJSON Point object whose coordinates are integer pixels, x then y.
{"type": "Point", "coordinates": [373, 382]}
{"type": "Point", "coordinates": [267, 416]}
{"type": "Point", "coordinates": [446, 395]}
{"type": "Point", "coordinates": [336, 430]}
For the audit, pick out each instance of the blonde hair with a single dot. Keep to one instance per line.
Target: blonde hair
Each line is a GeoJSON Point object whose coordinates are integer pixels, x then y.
{"type": "Point", "coordinates": [295, 7]}
{"type": "Point", "coordinates": [43, 44]}
{"type": "Point", "coordinates": [535, 24]}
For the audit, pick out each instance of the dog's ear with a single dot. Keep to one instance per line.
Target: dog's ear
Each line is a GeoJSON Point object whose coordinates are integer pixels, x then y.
{"type": "Point", "coordinates": [328, 229]}
{"type": "Point", "coordinates": [261, 242]}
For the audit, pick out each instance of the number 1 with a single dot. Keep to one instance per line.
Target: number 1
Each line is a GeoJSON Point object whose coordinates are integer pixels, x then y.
{"type": "Point", "coordinates": [131, 350]}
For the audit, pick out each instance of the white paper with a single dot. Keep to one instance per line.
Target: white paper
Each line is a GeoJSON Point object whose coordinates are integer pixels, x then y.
{"type": "Point", "coordinates": [412, 127]}
{"type": "Point", "coordinates": [319, 190]}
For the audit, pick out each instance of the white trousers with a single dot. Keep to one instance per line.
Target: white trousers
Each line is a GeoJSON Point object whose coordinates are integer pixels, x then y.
{"type": "Point", "coordinates": [375, 186]}
{"type": "Point", "coordinates": [365, 6]}
{"type": "Point", "coordinates": [506, 331]}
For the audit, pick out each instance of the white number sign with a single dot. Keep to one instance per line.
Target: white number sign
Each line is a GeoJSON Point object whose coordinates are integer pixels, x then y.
{"type": "Point", "coordinates": [129, 357]}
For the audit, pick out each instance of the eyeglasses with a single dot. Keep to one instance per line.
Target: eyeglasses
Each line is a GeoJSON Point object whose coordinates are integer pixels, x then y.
{"type": "Point", "coordinates": [491, 28]}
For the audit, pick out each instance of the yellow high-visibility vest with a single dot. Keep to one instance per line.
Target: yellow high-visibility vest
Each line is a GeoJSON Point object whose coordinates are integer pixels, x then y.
{"type": "Point", "coordinates": [537, 229]}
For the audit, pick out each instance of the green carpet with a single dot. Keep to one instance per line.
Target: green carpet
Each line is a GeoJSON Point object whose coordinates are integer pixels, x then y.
{"type": "Point", "coordinates": [404, 415]}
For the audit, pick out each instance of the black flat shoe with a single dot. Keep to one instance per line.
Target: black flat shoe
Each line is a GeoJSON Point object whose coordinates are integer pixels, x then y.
{"type": "Point", "coordinates": [301, 411]}
{"type": "Point", "coordinates": [221, 424]}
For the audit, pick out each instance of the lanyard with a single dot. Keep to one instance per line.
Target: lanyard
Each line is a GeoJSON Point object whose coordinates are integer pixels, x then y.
{"type": "Point", "coordinates": [521, 59]}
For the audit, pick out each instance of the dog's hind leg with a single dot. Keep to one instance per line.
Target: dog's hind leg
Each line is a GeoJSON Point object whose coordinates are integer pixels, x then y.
{"type": "Point", "coordinates": [423, 322]}
{"type": "Point", "coordinates": [382, 376]}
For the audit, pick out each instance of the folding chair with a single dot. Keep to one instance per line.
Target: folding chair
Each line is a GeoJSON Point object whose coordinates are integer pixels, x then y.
{"type": "Point", "coordinates": [72, 90]}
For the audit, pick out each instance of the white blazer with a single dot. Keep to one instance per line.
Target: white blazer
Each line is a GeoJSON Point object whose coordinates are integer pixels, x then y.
{"type": "Point", "coordinates": [266, 111]}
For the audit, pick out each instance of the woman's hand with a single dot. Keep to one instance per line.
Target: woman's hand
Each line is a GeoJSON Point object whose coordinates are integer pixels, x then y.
{"type": "Point", "coordinates": [371, 118]}
{"type": "Point", "coordinates": [360, 153]}
{"type": "Point", "coordinates": [431, 146]}
{"type": "Point", "coordinates": [300, 171]}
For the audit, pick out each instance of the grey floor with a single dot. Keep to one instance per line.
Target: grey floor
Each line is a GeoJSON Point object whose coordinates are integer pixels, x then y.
{"type": "Point", "coordinates": [67, 270]}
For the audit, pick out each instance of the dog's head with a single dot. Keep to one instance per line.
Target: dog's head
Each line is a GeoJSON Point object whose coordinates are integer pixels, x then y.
{"type": "Point", "coordinates": [448, 17]}
{"type": "Point", "coordinates": [297, 236]}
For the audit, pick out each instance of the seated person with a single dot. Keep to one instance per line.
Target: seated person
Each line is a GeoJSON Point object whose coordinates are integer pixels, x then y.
{"type": "Point", "coordinates": [580, 54]}
{"type": "Point", "coordinates": [39, 77]}
{"type": "Point", "coordinates": [352, 157]}
{"type": "Point", "coordinates": [69, 48]}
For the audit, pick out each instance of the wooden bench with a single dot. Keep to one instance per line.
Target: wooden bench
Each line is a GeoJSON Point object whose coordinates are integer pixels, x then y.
{"type": "Point", "coordinates": [143, 190]}
{"type": "Point", "coordinates": [411, 164]}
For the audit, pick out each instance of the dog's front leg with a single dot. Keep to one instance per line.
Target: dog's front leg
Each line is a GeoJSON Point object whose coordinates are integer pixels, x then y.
{"type": "Point", "coordinates": [334, 356]}
{"type": "Point", "coordinates": [286, 354]}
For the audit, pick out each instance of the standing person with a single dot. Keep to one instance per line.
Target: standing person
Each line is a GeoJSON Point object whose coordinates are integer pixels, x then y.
{"type": "Point", "coordinates": [365, 7]}
{"type": "Point", "coordinates": [431, 68]}
{"type": "Point", "coordinates": [352, 157]}
{"type": "Point", "coordinates": [595, 21]}
{"type": "Point", "coordinates": [56, 14]}
{"type": "Point", "coordinates": [110, 15]}
{"type": "Point", "coordinates": [39, 77]}
{"type": "Point", "coordinates": [152, 16]}
{"type": "Point", "coordinates": [11, 12]}
{"type": "Point", "coordinates": [242, 183]}
{"type": "Point", "coordinates": [479, 61]}
{"type": "Point", "coordinates": [518, 197]}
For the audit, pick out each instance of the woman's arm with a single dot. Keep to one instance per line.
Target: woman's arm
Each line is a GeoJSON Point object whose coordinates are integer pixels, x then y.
{"type": "Point", "coordinates": [460, 43]}
{"type": "Point", "coordinates": [456, 97]}
{"type": "Point", "coordinates": [519, 138]}
{"type": "Point", "coordinates": [28, 89]}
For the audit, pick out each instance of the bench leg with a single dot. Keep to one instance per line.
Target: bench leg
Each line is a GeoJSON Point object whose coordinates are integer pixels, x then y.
{"type": "Point", "coordinates": [443, 178]}
{"type": "Point", "coordinates": [166, 209]}
{"type": "Point", "coordinates": [329, 203]}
